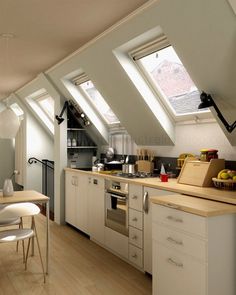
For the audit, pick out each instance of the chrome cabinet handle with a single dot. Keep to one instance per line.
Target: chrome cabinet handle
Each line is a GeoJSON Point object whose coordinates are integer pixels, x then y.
{"type": "Point", "coordinates": [145, 202]}
{"type": "Point", "coordinates": [173, 262]}
{"type": "Point", "coordinates": [135, 219]}
{"type": "Point", "coordinates": [134, 197]}
{"type": "Point", "coordinates": [172, 218]}
{"type": "Point", "coordinates": [134, 255]}
{"type": "Point", "coordinates": [174, 241]}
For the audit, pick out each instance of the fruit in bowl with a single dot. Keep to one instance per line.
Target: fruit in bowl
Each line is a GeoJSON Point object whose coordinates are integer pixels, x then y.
{"type": "Point", "coordinates": [227, 174]}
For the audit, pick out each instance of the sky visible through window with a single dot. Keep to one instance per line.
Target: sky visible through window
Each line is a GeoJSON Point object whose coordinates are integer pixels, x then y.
{"type": "Point", "coordinates": [172, 81]}
{"type": "Point", "coordinates": [47, 104]}
{"type": "Point", "coordinates": [99, 102]}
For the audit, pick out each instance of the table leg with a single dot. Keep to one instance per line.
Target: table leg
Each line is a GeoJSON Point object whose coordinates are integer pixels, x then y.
{"type": "Point", "coordinates": [47, 237]}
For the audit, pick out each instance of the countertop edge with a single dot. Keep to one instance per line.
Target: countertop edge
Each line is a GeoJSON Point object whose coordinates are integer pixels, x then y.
{"type": "Point", "coordinates": [210, 193]}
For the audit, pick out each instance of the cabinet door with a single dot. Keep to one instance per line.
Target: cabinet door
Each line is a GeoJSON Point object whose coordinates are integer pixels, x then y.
{"type": "Point", "coordinates": [150, 192]}
{"type": "Point", "coordinates": [70, 198]}
{"type": "Point", "coordinates": [96, 198]}
{"type": "Point", "coordinates": [176, 273]}
{"type": "Point", "coordinates": [82, 203]}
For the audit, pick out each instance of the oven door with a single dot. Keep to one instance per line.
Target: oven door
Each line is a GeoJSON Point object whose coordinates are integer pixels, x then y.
{"type": "Point", "coordinates": [117, 213]}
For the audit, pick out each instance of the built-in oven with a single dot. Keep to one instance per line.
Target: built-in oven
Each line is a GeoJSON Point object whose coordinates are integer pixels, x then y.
{"type": "Point", "coordinates": [117, 206]}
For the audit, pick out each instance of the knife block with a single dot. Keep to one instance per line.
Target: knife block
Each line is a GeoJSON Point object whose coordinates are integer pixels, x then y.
{"type": "Point", "coordinates": [145, 166]}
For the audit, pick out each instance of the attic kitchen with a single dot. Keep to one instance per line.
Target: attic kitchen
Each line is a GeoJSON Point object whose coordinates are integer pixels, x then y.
{"type": "Point", "coordinates": [131, 134]}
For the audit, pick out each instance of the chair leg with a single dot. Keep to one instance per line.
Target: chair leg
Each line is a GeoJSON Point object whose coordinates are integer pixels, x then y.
{"type": "Point", "coordinates": [27, 253]}
{"type": "Point", "coordinates": [40, 255]}
{"type": "Point", "coordinates": [20, 226]}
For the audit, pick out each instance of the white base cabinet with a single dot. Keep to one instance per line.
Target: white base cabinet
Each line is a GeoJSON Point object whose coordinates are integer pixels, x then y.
{"type": "Point", "coordinates": [193, 255]}
{"type": "Point", "coordinates": [150, 192]}
{"type": "Point", "coordinates": [96, 205]}
{"type": "Point", "coordinates": [76, 203]}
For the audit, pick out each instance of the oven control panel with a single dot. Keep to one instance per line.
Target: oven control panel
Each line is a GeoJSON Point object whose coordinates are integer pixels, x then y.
{"type": "Point", "coordinates": [117, 186]}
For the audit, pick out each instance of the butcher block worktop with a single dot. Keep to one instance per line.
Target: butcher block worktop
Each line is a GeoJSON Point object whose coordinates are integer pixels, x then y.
{"type": "Point", "coordinates": [205, 208]}
{"type": "Point", "coordinates": [210, 193]}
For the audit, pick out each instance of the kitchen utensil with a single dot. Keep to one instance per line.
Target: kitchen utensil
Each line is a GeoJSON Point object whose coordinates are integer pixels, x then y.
{"type": "Point", "coordinates": [129, 168]}
{"type": "Point", "coordinates": [110, 153]}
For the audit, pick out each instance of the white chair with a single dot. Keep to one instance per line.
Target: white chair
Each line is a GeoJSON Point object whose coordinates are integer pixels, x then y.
{"type": "Point", "coordinates": [14, 221]}
{"type": "Point", "coordinates": [19, 210]}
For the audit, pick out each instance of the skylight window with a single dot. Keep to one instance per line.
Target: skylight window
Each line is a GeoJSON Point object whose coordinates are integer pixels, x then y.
{"type": "Point", "coordinates": [17, 109]}
{"type": "Point", "coordinates": [46, 102]}
{"type": "Point", "coordinates": [43, 107]}
{"type": "Point", "coordinates": [98, 101]}
{"type": "Point", "coordinates": [171, 81]}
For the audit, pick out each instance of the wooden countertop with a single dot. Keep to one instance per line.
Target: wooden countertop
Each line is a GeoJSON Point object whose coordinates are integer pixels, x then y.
{"type": "Point", "coordinates": [194, 205]}
{"type": "Point", "coordinates": [23, 196]}
{"type": "Point", "coordinates": [172, 185]}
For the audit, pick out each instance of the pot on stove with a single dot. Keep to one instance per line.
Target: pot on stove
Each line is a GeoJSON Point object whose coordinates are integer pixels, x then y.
{"type": "Point", "coordinates": [129, 168]}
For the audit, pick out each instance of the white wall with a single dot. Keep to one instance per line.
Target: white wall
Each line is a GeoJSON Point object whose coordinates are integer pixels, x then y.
{"type": "Point", "coordinates": [6, 159]}
{"type": "Point", "coordinates": [192, 138]}
{"type": "Point", "coordinates": [39, 145]}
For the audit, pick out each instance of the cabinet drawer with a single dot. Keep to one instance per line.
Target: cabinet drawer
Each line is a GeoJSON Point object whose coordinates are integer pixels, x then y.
{"type": "Point", "coordinates": [136, 219]}
{"type": "Point", "coordinates": [181, 220]}
{"type": "Point", "coordinates": [135, 197]}
{"type": "Point", "coordinates": [136, 255]}
{"type": "Point", "coordinates": [177, 273]}
{"type": "Point", "coordinates": [136, 237]}
{"type": "Point", "coordinates": [180, 241]}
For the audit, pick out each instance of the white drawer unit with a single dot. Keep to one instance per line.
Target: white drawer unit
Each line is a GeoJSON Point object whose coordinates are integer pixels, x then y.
{"type": "Point", "coordinates": [136, 219]}
{"type": "Point", "coordinates": [136, 256]}
{"type": "Point", "coordinates": [178, 240]}
{"type": "Point", "coordinates": [194, 254]}
{"type": "Point", "coordinates": [136, 197]}
{"type": "Point", "coordinates": [136, 237]}
{"type": "Point", "coordinates": [180, 220]}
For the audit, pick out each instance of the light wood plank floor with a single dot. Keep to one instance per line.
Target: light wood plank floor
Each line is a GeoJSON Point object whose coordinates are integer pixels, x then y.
{"type": "Point", "coordinates": [77, 266]}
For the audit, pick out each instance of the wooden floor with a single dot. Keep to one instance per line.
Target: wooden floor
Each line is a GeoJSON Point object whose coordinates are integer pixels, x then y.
{"type": "Point", "coordinates": [77, 266]}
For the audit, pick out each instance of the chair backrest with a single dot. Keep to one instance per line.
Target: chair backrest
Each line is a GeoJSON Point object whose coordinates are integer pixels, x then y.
{"type": "Point", "coordinates": [18, 210]}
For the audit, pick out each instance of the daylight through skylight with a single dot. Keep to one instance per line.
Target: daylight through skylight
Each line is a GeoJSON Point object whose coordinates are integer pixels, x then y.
{"type": "Point", "coordinates": [99, 102]}
{"type": "Point", "coordinates": [172, 81]}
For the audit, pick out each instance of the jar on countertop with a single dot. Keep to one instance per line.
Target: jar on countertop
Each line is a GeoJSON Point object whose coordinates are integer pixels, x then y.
{"type": "Point", "coordinates": [208, 154]}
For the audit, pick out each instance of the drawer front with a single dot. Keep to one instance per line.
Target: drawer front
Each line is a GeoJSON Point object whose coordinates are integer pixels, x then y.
{"type": "Point", "coordinates": [180, 241]}
{"type": "Point", "coordinates": [136, 256]}
{"type": "Point", "coordinates": [136, 197]}
{"type": "Point", "coordinates": [181, 220]}
{"type": "Point", "coordinates": [176, 273]}
{"type": "Point", "coordinates": [136, 219]}
{"type": "Point", "coordinates": [136, 237]}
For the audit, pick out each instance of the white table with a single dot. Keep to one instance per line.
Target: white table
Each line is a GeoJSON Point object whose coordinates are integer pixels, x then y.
{"type": "Point", "coordinates": [33, 197]}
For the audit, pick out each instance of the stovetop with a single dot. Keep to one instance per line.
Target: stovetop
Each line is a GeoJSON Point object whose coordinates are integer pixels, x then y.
{"type": "Point", "coordinates": [135, 175]}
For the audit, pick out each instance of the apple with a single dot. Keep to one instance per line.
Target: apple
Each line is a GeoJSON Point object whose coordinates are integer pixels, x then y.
{"type": "Point", "coordinates": [231, 173]}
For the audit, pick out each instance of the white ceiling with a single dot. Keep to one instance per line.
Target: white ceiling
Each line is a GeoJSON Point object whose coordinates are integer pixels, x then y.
{"type": "Point", "coordinates": [46, 31]}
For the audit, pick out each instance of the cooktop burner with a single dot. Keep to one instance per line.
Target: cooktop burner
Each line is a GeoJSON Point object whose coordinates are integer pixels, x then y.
{"type": "Point", "coordinates": [135, 175]}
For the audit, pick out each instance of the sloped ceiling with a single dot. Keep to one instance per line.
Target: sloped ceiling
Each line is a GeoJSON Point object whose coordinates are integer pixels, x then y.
{"type": "Point", "coordinates": [44, 32]}
{"type": "Point", "coordinates": [204, 36]}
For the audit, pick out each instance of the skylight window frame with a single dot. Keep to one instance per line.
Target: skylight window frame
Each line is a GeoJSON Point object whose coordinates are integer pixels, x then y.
{"type": "Point", "coordinates": [40, 113]}
{"type": "Point", "coordinates": [42, 97]}
{"type": "Point", "coordinates": [83, 78]}
{"type": "Point", "coordinates": [153, 47]}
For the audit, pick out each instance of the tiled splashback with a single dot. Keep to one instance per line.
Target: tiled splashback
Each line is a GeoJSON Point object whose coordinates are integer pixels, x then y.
{"type": "Point", "coordinates": [170, 163]}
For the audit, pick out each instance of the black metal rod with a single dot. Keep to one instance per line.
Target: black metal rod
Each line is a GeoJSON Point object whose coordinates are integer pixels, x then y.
{"type": "Point", "coordinates": [35, 160]}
